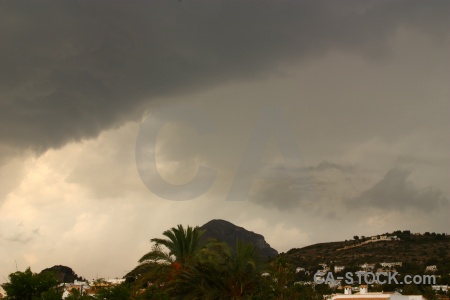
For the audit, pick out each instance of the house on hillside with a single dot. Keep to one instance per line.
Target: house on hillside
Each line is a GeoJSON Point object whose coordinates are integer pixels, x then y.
{"type": "Point", "coordinates": [391, 264]}
{"type": "Point", "coordinates": [367, 267]}
{"type": "Point", "coordinates": [81, 286]}
{"type": "Point", "coordinates": [338, 269]}
{"type": "Point", "coordinates": [443, 288]}
{"type": "Point", "coordinates": [364, 294]}
{"type": "Point", "coordinates": [432, 268]}
{"type": "Point", "coordinates": [116, 281]}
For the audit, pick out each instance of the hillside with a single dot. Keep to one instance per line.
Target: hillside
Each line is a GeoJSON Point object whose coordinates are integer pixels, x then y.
{"type": "Point", "coordinates": [229, 233]}
{"type": "Point", "coordinates": [415, 251]}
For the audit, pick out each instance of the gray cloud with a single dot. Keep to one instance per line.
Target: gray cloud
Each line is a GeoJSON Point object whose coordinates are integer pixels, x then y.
{"type": "Point", "coordinates": [21, 236]}
{"type": "Point", "coordinates": [362, 84]}
{"type": "Point", "coordinates": [285, 194]}
{"type": "Point", "coordinates": [326, 165]}
{"type": "Point", "coordinates": [72, 69]}
{"type": "Point", "coordinates": [300, 187]}
{"type": "Point", "coordinates": [409, 160]}
{"type": "Point", "coordinates": [397, 192]}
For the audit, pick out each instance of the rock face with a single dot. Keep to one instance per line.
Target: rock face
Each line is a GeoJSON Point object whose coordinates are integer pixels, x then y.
{"type": "Point", "coordinates": [229, 233]}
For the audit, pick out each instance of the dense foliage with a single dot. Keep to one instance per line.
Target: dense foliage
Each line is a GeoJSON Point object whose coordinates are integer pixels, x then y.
{"type": "Point", "coordinates": [185, 268]}
{"type": "Point", "coordinates": [30, 286]}
{"type": "Point", "coordinates": [183, 265]}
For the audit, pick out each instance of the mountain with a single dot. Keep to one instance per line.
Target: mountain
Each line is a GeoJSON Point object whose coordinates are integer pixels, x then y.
{"type": "Point", "coordinates": [229, 233]}
{"type": "Point", "coordinates": [63, 273]}
{"type": "Point", "coordinates": [415, 251]}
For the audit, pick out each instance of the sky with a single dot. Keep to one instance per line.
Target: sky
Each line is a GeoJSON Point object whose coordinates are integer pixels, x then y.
{"type": "Point", "coordinates": [304, 121]}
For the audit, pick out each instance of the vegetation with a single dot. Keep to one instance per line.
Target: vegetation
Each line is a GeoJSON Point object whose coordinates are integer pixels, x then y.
{"type": "Point", "coordinates": [30, 286]}
{"type": "Point", "coordinates": [63, 273]}
{"type": "Point", "coordinates": [414, 251]}
{"type": "Point", "coordinates": [184, 265]}
{"type": "Point", "coordinates": [191, 269]}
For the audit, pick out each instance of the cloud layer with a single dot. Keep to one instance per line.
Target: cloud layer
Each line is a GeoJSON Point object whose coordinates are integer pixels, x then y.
{"type": "Point", "coordinates": [359, 87]}
{"type": "Point", "coordinates": [71, 70]}
{"type": "Point", "coordinates": [397, 192]}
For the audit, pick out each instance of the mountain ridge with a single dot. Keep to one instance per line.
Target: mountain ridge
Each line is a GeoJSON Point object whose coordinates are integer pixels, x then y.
{"type": "Point", "coordinates": [415, 251]}
{"type": "Point", "coordinates": [228, 232]}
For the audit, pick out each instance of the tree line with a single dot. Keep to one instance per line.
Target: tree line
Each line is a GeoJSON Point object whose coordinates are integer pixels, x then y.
{"type": "Point", "coordinates": [184, 266]}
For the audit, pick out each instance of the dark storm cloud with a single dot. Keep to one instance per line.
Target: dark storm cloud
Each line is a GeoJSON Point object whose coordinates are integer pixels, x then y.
{"type": "Point", "coordinates": [70, 69]}
{"type": "Point", "coordinates": [285, 194]}
{"type": "Point", "coordinates": [397, 192]}
{"type": "Point", "coordinates": [299, 186]}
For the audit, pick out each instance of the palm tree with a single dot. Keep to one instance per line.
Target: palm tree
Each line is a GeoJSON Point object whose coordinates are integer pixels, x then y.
{"type": "Point", "coordinates": [183, 267]}
{"type": "Point", "coordinates": [243, 270]}
{"type": "Point", "coordinates": [169, 257]}
{"type": "Point", "coordinates": [221, 273]}
{"type": "Point", "coordinates": [183, 245]}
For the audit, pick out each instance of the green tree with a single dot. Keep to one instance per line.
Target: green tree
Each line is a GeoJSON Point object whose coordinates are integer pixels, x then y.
{"type": "Point", "coordinates": [181, 267]}
{"type": "Point", "coordinates": [114, 292]}
{"type": "Point", "coordinates": [282, 275]}
{"type": "Point", "coordinates": [183, 245]}
{"type": "Point", "coordinates": [428, 293]}
{"type": "Point", "coordinates": [221, 273]}
{"type": "Point", "coordinates": [52, 294]}
{"type": "Point", "coordinates": [411, 289]}
{"type": "Point", "coordinates": [152, 293]}
{"type": "Point", "coordinates": [168, 257]}
{"type": "Point", "coordinates": [242, 270]}
{"type": "Point", "coordinates": [30, 286]}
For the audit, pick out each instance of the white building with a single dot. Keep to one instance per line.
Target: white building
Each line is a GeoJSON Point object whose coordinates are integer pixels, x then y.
{"type": "Point", "coordinates": [391, 264]}
{"type": "Point", "coordinates": [367, 266]}
{"type": "Point", "coordinates": [443, 288]}
{"type": "Point", "coordinates": [376, 296]}
{"type": "Point", "coordinates": [338, 269]}
{"type": "Point", "coordinates": [116, 281]}
{"type": "Point", "coordinates": [432, 268]}
{"type": "Point", "coordinates": [365, 294]}
{"type": "Point", "coordinates": [80, 286]}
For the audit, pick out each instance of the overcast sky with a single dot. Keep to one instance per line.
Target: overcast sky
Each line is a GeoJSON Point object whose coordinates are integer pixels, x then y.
{"type": "Point", "coordinates": [304, 121]}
